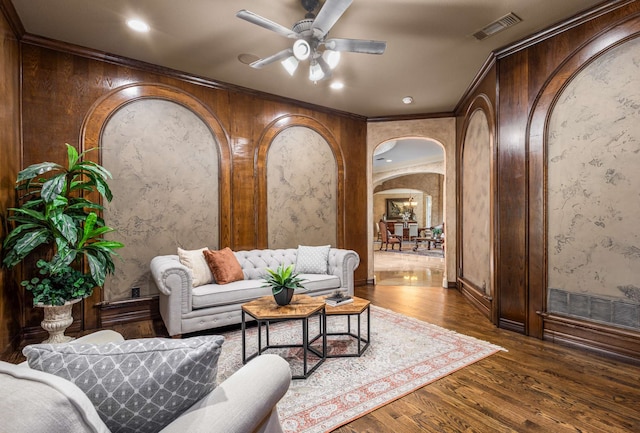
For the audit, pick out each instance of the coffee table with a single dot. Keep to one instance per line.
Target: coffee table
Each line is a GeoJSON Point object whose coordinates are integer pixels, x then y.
{"type": "Point", "coordinates": [355, 308]}
{"type": "Point", "coordinates": [302, 307]}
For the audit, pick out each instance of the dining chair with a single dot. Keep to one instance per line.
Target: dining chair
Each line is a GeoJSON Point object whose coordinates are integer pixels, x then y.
{"type": "Point", "coordinates": [398, 230]}
{"type": "Point", "coordinates": [413, 231]}
{"type": "Point", "coordinates": [388, 238]}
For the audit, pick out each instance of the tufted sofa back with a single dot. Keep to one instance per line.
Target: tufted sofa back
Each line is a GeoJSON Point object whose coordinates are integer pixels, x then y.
{"type": "Point", "coordinates": [255, 262]}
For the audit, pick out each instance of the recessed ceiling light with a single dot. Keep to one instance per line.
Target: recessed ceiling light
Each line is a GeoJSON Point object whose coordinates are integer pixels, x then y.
{"type": "Point", "coordinates": [138, 26]}
{"type": "Point", "coordinates": [337, 85]}
{"type": "Point", "coordinates": [389, 160]}
{"type": "Point", "coordinates": [407, 100]}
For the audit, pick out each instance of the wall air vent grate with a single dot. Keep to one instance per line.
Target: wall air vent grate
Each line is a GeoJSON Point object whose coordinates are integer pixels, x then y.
{"type": "Point", "coordinates": [499, 25]}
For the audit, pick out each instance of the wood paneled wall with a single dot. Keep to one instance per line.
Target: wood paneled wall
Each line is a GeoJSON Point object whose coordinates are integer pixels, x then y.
{"type": "Point", "coordinates": [60, 88]}
{"type": "Point", "coordinates": [9, 167]}
{"type": "Point", "coordinates": [521, 87]}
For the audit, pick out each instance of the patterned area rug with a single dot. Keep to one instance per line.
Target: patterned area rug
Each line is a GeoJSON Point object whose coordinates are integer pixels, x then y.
{"type": "Point", "coordinates": [405, 354]}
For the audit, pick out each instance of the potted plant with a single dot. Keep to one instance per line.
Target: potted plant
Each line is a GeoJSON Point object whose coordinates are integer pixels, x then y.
{"type": "Point", "coordinates": [55, 209]}
{"type": "Point", "coordinates": [283, 282]}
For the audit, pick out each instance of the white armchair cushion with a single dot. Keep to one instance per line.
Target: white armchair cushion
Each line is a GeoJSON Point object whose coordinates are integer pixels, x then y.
{"type": "Point", "coordinates": [312, 260]}
{"type": "Point", "coordinates": [37, 402]}
{"type": "Point", "coordinates": [135, 385]}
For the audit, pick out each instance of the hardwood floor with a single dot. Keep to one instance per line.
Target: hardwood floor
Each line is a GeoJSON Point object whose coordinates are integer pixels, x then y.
{"type": "Point", "coordinates": [536, 386]}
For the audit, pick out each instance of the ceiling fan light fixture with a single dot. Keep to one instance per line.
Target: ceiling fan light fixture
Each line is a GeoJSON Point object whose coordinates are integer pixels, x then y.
{"type": "Point", "coordinates": [301, 49]}
{"type": "Point", "coordinates": [332, 58]}
{"type": "Point", "coordinates": [290, 64]}
{"type": "Point", "coordinates": [315, 72]}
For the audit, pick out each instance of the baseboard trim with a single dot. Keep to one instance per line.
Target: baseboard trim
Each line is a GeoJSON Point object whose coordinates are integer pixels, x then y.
{"type": "Point", "coordinates": [129, 310]}
{"type": "Point", "coordinates": [607, 340]}
{"type": "Point", "coordinates": [358, 283]}
{"type": "Point", "coordinates": [477, 298]}
{"type": "Point", "coordinates": [511, 325]}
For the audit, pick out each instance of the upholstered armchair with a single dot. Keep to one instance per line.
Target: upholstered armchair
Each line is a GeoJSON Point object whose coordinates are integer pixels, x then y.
{"type": "Point", "coordinates": [36, 401]}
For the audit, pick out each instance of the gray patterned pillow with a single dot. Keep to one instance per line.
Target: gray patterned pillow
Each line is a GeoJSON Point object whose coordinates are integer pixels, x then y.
{"type": "Point", "coordinates": [135, 385]}
{"type": "Point", "coordinates": [312, 260]}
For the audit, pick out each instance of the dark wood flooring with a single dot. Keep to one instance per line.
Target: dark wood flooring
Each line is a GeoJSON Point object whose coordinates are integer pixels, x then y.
{"type": "Point", "coordinates": [536, 386]}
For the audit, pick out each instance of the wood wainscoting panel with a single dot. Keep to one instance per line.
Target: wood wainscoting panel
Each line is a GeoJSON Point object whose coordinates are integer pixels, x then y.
{"type": "Point", "coordinates": [11, 293]}
{"type": "Point", "coordinates": [129, 310]}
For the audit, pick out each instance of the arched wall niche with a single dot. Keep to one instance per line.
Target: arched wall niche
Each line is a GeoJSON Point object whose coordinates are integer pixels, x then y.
{"type": "Point", "coordinates": [176, 119]}
{"type": "Point", "coordinates": [476, 190]}
{"type": "Point", "coordinates": [558, 320]}
{"type": "Point", "coordinates": [296, 127]}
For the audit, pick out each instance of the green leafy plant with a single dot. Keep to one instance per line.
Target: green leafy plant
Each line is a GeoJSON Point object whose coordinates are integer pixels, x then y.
{"type": "Point", "coordinates": [282, 278]}
{"type": "Point", "coordinates": [436, 232]}
{"type": "Point", "coordinates": [55, 210]}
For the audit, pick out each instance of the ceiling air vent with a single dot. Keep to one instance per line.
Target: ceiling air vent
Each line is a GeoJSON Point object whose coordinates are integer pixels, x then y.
{"type": "Point", "coordinates": [497, 26]}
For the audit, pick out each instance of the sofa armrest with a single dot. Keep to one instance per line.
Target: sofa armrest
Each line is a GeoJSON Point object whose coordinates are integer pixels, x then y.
{"type": "Point", "coordinates": [174, 281]}
{"type": "Point", "coordinates": [244, 403]}
{"type": "Point", "coordinates": [343, 263]}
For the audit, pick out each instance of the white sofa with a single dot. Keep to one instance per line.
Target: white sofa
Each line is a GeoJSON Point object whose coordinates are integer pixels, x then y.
{"type": "Point", "coordinates": [37, 402]}
{"type": "Point", "coordinates": [185, 308]}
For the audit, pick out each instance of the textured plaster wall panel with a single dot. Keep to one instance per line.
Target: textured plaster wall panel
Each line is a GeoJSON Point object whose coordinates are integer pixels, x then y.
{"type": "Point", "coordinates": [164, 163]}
{"type": "Point", "coordinates": [443, 131]}
{"type": "Point", "coordinates": [301, 190]}
{"type": "Point", "coordinates": [476, 202]}
{"type": "Point", "coordinates": [594, 180]}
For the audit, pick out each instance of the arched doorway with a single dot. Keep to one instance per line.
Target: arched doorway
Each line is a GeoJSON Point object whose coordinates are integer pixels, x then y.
{"type": "Point", "coordinates": [408, 190]}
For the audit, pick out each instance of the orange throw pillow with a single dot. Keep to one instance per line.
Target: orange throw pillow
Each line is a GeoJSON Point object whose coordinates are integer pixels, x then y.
{"type": "Point", "coordinates": [224, 265]}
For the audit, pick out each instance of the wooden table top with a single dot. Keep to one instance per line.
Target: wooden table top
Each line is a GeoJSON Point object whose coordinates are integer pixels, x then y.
{"type": "Point", "coordinates": [301, 306]}
{"type": "Point", "coordinates": [356, 307]}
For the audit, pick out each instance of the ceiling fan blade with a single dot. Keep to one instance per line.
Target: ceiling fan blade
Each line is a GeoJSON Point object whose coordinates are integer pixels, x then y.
{"type": "Point", "coordinates": [274, 58]}
{"type": "Point", "coordinates": [266, 23]}
{"type": "Point", "coordinates": [356, 45]}
{"type": "Point", "coordinates": [331, 12]}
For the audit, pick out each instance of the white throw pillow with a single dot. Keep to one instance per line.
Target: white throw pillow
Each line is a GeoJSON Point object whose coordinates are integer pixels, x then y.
{"type": "Point", "coordinates": [312, 260]}
{"type": "Point", "coordinates": [194, 260]}
{"type": "Point", "coordinates": [135, 385]}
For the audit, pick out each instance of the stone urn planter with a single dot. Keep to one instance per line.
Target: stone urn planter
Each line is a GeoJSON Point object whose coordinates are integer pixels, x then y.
{"type": "Point", "coordinates": [57, 318]}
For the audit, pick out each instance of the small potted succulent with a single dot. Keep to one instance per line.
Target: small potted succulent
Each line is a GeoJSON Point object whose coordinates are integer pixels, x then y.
{"type": "Point", "coordinates": [57, 218]}
{"type": "Point", "coordinates": [283, 282]}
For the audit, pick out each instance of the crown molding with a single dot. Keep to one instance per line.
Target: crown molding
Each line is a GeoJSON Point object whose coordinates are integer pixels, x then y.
{"type": "Point", "coordinates": [9, 12]}
{"type": "Point", "coordinates": [561, 27]}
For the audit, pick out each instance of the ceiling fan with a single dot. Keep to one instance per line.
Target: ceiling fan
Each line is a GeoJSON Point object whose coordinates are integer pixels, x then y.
{"type": "Point", "coordinates": [311, 41]}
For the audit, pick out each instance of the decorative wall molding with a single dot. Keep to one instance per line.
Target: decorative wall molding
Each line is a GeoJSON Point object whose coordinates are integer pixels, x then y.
{"type": "Point", "coordinates": [262, 150]}
{"type": "Point", "coordinates": [536, 136]}
{"type": "Point", "coordinates": [480, 103]}
{"type": "Point", "coordinates": [96, 119]}
{"type": "Point", "coordinates": [592, 336]}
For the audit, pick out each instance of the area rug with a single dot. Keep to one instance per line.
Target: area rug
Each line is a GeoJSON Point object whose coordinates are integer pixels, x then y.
{"type": "Point", "coordinates": [407, 248]}
{"type": "Point", "coordinates": [405, 354]}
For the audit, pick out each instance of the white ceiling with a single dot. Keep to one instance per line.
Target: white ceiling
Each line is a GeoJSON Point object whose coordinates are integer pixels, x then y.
{"type": "Point", "coordinates": [405, 153]}
{"type": "Point", "coordinates": [430, 54]}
